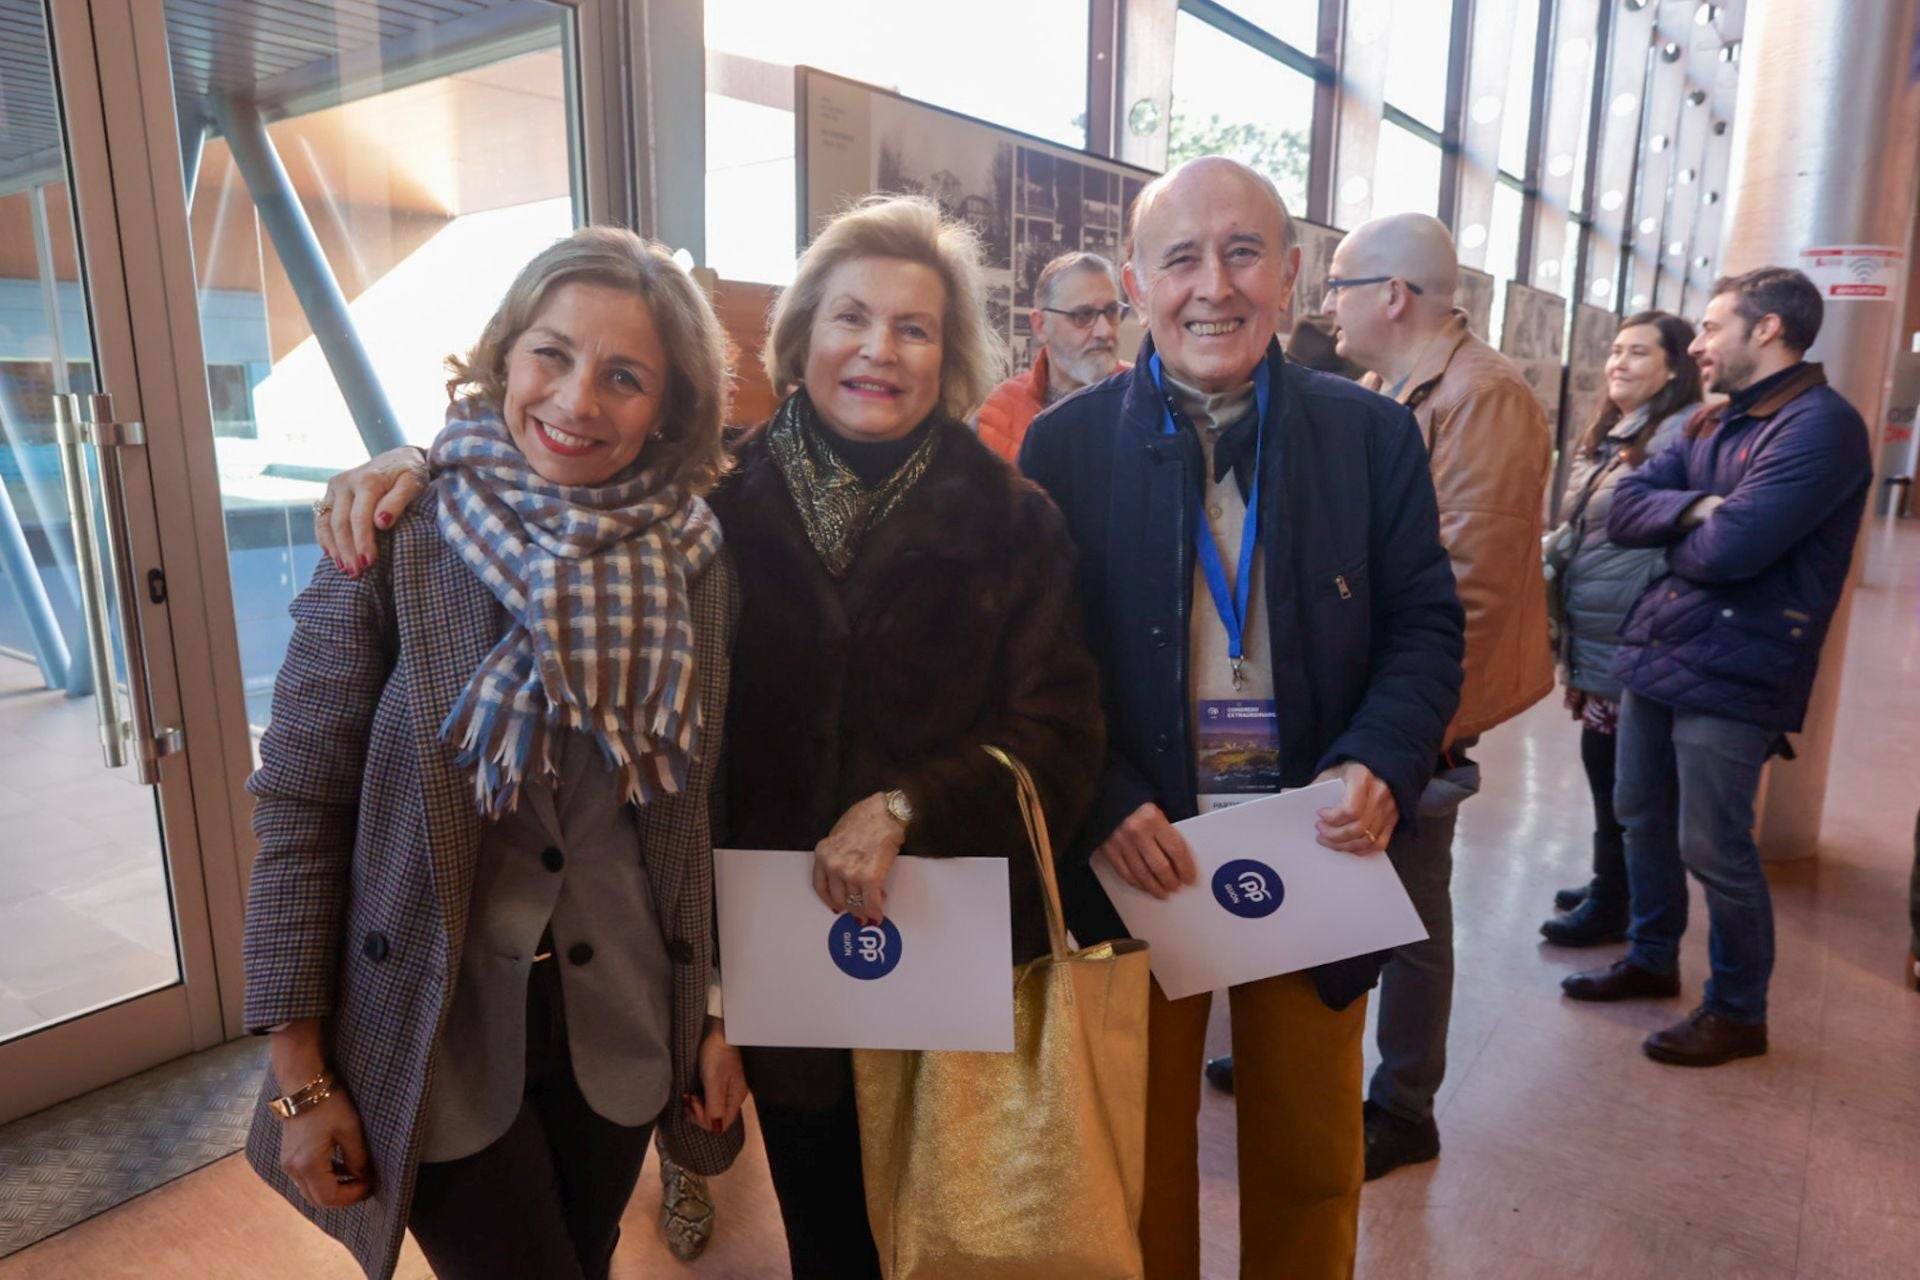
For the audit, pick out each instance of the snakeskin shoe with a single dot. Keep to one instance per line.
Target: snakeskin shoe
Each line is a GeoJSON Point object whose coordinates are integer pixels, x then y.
{"type": "Point", "coordinates": [686, 1210]}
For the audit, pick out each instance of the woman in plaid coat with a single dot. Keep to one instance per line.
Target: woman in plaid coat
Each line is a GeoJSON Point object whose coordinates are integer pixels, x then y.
{"type": "Point", "coordinates": [479, 927]}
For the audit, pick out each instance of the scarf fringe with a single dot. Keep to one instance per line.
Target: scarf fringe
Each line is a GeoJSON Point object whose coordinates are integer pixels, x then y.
{"type": "Point", "coordinates": [559, 558]}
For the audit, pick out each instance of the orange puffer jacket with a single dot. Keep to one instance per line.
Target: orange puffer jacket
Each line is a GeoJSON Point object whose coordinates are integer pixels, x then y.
{"type": "Point", "coordinates": [1012, 406]}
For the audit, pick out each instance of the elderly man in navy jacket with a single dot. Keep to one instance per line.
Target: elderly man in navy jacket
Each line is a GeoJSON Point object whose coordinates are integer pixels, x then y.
{"type": "Point", "coordinates": [1758, 508]}
{"type": "Point", "coordinates": [1256, 541]}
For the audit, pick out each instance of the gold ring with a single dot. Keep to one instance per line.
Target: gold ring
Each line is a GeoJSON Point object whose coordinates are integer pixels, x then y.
{"type": "Point", "coordinates": [1371, 838]}
{"type": "Point", "coordinates": [321, 506]}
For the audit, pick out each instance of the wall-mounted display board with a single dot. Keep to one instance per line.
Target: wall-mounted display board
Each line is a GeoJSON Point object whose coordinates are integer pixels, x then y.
{"type": "Point", "coordinates": [1591, 343]}
{"type": "Point", "coordinates": [1317, 245]}
{"type": "Point", "coordinates": [1030, 200]}
{"type": "Point", "coordinates": [1474, 295]}
{"type": "Point", "coordinates": [1531, 337]}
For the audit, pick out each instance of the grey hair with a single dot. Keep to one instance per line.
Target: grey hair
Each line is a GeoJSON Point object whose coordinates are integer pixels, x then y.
{"type": "Point", "coordinates": [1054, 272]}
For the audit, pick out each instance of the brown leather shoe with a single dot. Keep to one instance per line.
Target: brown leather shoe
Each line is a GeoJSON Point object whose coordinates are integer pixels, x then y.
{"type": "Point", "coordinates": [1706, 1040]}
{"type": "Point", "coordinates": [1622, 981]}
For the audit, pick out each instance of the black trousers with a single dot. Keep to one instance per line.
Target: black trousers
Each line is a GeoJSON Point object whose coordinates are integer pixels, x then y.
{"type": "Point", "coordinates": [543, 1202]}
{"type": "Point", "coordinates": [814, 1157]}
{"type": "Point", "coordinates": [1597, 753]}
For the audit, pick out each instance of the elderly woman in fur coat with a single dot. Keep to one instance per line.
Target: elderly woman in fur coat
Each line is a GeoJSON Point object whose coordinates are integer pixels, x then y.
{"type": "Point", "coordinates": [906, 598]}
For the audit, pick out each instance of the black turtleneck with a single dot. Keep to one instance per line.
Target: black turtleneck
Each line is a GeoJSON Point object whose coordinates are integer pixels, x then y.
{"type": "Point", "coordinates": [874, 460]}
{"type": "Point", "coordinates": [1746, 397]}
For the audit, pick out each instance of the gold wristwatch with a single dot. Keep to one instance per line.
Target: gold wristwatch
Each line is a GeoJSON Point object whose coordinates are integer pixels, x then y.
{"type": "Point", "coordinates": [899, 808]}
{"type": "Point", "coordinates": [305, 1098]}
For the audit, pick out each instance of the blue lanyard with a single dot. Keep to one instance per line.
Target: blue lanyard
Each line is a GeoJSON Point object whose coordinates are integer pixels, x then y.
{"type": "Point", "coordinates": [1231, 606]}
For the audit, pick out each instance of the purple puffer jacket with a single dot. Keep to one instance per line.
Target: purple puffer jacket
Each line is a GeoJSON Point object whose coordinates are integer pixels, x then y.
{"type": "Point", "coordinates": [1735, 628]}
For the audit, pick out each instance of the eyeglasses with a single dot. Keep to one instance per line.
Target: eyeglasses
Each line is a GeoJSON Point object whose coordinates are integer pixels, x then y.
{"type": "Point", "coordinates": [1335, 284]}
{"type": "Point", "coordinates": [1083, 317]}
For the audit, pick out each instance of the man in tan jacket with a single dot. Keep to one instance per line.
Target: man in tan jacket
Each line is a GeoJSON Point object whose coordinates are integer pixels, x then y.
{"type": "Point", "coordinates": [1390, 293]}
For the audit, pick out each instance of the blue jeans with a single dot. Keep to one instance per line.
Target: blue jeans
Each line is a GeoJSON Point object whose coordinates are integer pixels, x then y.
{"type": "Point", "coordinates": [1684, 793]}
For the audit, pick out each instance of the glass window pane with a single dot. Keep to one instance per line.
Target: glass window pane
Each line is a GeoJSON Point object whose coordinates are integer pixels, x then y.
{"type": "Point", "coordinates": [426, 197]}
{"type": "Point", "coordinates": [1295, 21]}
{"type": "Point", "coordinates": [1406, 175]}
{"type": "Point", "coordinates": [1503, 248]}
{"type": "Point", "coordinates": [1522, 73]}
{"type": "Point", "coordinates": [86, 913]}
{"type": "Point", "coordinates": [1011, 62]}
{"type": "Point", "coordinates": [751, 218]}
{"type": "Point", "coordinates": [1419, 41]}
{"type": "Point", "coordinates": [1230, 99]}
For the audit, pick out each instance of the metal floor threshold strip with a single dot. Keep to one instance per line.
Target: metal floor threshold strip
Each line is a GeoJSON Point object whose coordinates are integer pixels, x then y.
{"type": "Point", "coordinates": [63, 1165]}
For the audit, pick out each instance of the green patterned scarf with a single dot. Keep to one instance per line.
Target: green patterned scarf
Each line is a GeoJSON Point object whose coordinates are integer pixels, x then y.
{"type": "Point", "coordinates": [836, 508]}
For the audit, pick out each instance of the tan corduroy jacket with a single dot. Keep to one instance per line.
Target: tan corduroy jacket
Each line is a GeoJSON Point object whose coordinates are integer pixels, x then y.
{"type": "Point", "coordinates": [1491, 452]}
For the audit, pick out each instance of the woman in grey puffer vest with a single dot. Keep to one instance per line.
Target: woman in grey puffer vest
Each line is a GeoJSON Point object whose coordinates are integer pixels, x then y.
{"type": "Point", "coordinates": [1653, 389]}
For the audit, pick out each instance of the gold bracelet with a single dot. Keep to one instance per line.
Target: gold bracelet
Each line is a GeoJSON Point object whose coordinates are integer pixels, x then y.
{"type": "Point", "coordinates": [305, 1098]}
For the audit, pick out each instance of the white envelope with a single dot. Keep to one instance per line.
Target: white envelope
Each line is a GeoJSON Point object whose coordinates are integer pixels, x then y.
{"type": "Point", "coordinates": [937, 975]}
{"type": "Point", "coordinates": [1269, 899]}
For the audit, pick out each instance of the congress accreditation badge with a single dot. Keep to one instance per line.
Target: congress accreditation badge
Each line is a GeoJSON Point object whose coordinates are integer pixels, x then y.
{"type": "Point", "coordinates": [1238, 751]}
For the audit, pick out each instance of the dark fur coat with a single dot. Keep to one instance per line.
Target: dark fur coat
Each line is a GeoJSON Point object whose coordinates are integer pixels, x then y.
{"type": "Point", "coordinates": [957, 625]}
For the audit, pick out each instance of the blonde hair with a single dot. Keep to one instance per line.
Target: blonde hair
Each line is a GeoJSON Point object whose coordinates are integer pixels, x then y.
{"type": "Point", "coordinates": [910, 229]}
{"type": "Point", "coordinates": [687, 448]}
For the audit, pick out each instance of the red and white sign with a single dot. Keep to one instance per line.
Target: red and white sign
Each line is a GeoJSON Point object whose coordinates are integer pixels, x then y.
{"type": "Point", "coordinates": [1854, 272]}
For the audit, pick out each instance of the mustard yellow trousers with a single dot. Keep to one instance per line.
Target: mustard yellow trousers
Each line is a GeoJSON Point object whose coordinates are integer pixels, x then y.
{"type": "Point", "coordinates": [1297, 1085]}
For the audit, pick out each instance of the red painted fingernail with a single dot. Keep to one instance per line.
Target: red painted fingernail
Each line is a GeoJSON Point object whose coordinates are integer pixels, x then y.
{"type": "Point", "coordinates": [365, 561]}
{"type": "Point", "coordinates": [384, 519]}
{"type": "Point", "coordinates": [718, 1127]}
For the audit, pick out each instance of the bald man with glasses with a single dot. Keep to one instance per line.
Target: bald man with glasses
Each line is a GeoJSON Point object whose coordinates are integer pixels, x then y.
{"type": "Point", "coordinates": [1390, 294]}
{"type": "Point", "coordinates": [1076, 316]}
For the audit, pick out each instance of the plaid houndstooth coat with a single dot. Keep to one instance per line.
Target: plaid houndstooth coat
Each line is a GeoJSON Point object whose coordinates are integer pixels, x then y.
{"type": "Point", "coordinates": [369, 837]}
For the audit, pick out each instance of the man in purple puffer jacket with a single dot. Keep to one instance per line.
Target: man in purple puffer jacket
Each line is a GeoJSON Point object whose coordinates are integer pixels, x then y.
{"type": "Point", "coordinates": [1757, 508]}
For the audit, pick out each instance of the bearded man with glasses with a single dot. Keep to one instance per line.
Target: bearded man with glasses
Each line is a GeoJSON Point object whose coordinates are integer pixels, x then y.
{"type": "Point", "coordinates": [1077, 310]}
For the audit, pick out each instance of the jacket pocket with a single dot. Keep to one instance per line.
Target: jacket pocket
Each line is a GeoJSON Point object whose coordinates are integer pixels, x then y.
{"type": "Point", "coordinates": [1762, 647]}
{"type": "Point", "coordinates": [1345, 585]}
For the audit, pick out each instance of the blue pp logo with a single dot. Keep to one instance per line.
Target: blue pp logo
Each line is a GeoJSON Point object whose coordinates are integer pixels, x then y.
{"type": "Point", "coordinates": [864, 951]}
{"type": "Point", "coordinates": [1249, 889]}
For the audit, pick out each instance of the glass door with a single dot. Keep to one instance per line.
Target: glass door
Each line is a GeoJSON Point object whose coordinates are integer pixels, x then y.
{"type": "Point", "coordinates": [293, 213]}
{"type": "Point", "coordinates": [361, 184]}
{"type": "Point", "coordinates": [104, 956]}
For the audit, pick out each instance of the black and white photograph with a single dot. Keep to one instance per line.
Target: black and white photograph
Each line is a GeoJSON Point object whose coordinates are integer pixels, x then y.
{"type": "Point", "coordinates": [1317, 245]}
{"type": "Point", "coordinates": [1592, 341]}
{"type": "Point", "coordinates": [967, 172]}
{"type": "Point", "coordinates": [1474, 295]}
{"type": "Point", "coordinates": [1532, 338]}
{"type": "Point", "coordinates": [1060, 206]}
{"type": "Point", "coordinates": [1030, 201]}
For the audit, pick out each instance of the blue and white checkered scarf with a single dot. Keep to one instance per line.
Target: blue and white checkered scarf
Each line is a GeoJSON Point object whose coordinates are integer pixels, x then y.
{"type": "Point", "coordinates": [597, 582]}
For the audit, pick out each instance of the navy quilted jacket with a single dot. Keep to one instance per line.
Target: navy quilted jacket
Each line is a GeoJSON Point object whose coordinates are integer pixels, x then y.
{"type": "Point", "coordinates": [1735, 628]}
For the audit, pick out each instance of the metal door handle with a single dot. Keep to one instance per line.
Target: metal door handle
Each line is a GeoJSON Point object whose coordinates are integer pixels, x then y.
{"type": "Point", "coordinates": [81, 420]}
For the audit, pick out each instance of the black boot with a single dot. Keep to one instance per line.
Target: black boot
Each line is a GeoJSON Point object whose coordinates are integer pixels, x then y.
{"type": "Point", "coordinates": [1595, 922]}
{"type": "Point", "coordinates": [1568, 899]}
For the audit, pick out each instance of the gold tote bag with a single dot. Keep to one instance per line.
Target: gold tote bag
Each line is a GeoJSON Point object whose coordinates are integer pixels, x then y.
{"type": "Point", "coordinates": [1027, 1165]}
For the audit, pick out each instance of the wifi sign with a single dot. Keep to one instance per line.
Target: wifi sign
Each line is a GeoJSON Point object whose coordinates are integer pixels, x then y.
{"type": "Point", "coordinates": [1854, 272]}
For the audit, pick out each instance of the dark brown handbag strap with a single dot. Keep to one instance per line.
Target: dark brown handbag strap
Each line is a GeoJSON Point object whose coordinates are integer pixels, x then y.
{"type": "Point", "coordinates": [1036, 819]}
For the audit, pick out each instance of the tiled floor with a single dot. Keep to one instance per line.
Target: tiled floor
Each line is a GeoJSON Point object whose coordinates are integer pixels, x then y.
{"type": "Point", "coordinates": [1567, 1153]}
{"type": "Point", "coordinates": [85, 916]}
